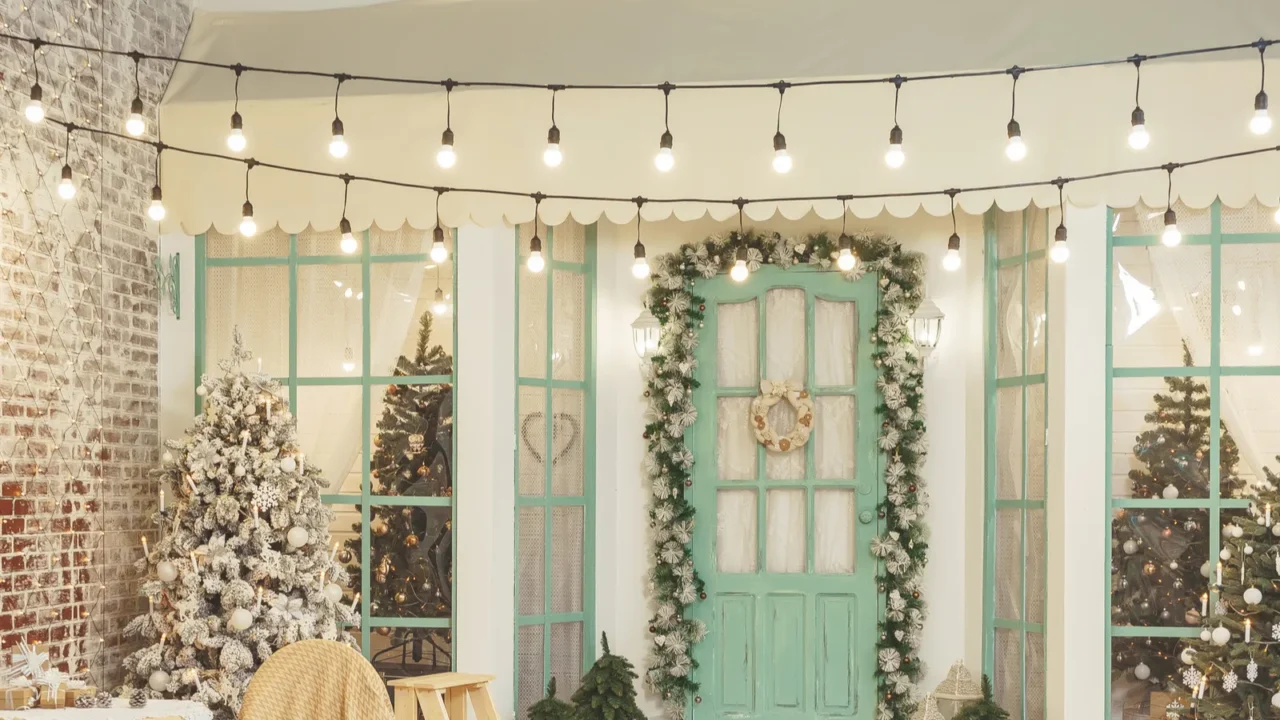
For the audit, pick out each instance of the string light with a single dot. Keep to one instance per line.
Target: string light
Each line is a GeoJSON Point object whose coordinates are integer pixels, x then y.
{"type": "Point", "coordinates": [338, 144]}
{"type": "Point", "coordinates": [438, 305]}
{"type": "Point", "coordinates": [66, 187]}
{"type": "Point", "coordinates": [535, 263]}
{"type": "Point", "coordinates": [1016, 150]}
{"type": "Point", "coordinates": [439, 253]}
{"type": "Point", "coordinates": [846, 260]}
{"type": "Point", "coordinates": [894, 156]}
{"type": "Point", "coordinates": [445, 156]}
{"type": "Point", "coordinates": [665, 160]}
{"type": "Point", "coordinates": [156, 210]}
{"type": "Point", "coordinates": [236, 141]}
{"type": "Point", "coordinates": [951, 261]}
{"type": "Point", "coordinates": [552, 155]}
{"type": "Point", "coordinates": [1060, 252]}
{"type": "Point", "coordinates": [248, 228]}
{"type": "Point", "coordinates": [641, 267]}
{"type": "Point", "coordinates": [1171, 236]}
{"type": "Point", "coordinates": [1138, 136]}
{"type": "Point", "coordinates": [136, 124]}
{"type": "Point", "coordinates": [35, 107]}
{"type": "Point", "coordinates": [1260, 123]}
{"type": "Point", "coordinates": [348, 245]}
{"type": "Point", "coordinates": [781, 160]}
{"type": "Point", "coordinates": [740, 270]}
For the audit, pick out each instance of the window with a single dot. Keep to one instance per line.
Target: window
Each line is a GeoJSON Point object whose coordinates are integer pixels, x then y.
{"type": "Point", "coordinates": [555, 465]}
{"type": "Point", "coordinates": [1015, 553]}
{"type": "Point", "coordinates": [364, 343]}
{"type": "Point", "coordinates": [1193, 368]}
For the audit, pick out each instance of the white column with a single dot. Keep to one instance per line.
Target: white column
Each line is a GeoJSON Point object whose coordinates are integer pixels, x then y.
{"type": "Point", "coordinates": [1076, 614]}
{"type": "Point", "coordinates": [178, 342]}
{"type": "Point", "coordinates": [484, 496]}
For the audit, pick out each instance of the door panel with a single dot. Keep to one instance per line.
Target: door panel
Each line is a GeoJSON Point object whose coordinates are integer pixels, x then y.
{"type": "Point", "coordinates": [785, 653]}
{"type": "Point", "coordinates": [736, 651]}
{"type": "Point", "coordinates": [836, 617]}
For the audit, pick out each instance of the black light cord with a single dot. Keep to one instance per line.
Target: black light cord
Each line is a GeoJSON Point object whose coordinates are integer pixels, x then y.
{"type": "Point", "coordinates": [1137, 84]}
{"type": "Point", "coordinates": [35, 65]}
{"type": "Point", "coordinates": [249, 165]}
{"type": "Point", "coordinates": [666, 106]}
{"type": "Point", "coordinates": [554, 90]}
{"type": "Point", "coordinates": [1169, 168]}
{"type": "Point", "coordinates": [66, 151]}
{"type": "Point", "coordinates": [438, 194]}
{"type": "Point", "coordinates": [1016, 72]}
{"type": "Point", "coordinates": [158, 151]}
{"type": "Point", "coordinates": [952, 194]}
{"type": "Point", "coordinates": [137, 68]}
{"type": "Point", "coordinates": [1262, 62]}
{"type": "Point", "coordinates": [239, 70]}
{"type": "Point", "coordinates": [448, 104]}
{"type": "Point", "coordinates": [897, 88]}
{"type": "Point", "coordinates": [346, 190]}
{"type": "Point", "coordinates": [782, 90]}
{"type": "Point", "coordinates": [336, 92]}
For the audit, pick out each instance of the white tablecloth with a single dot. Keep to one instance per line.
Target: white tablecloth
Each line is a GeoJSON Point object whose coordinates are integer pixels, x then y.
{"type": "Point", "coordinates": [120, 710]}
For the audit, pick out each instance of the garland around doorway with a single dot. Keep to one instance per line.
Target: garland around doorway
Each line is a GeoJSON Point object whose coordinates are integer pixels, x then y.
{"type": "Point", "coordinates": [901, 547]}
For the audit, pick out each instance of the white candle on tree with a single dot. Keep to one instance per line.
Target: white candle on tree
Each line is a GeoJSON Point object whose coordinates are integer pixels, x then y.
{"type": "Point", "coordinates": [145, 551]}
{"type": "Point", "coordinates": [161, 499]}
{"type": "Point", "coordinates": [355, 602]}
{"type": "Point", "coordinates": [1204, 605]}
{"type": "Point", "coordinates": [1247, 625]}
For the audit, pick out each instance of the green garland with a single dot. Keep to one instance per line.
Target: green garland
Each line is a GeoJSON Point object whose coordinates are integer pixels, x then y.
{"type": "Point", "coordinates": [901, 547]}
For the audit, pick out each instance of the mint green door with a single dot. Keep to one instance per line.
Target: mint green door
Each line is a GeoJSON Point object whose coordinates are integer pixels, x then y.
{"type": "Point", "coordinates": [782, 539]}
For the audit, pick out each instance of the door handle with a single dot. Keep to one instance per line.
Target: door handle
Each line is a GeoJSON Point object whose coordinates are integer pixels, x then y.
{"type": "Point", "coordinates": [865, 516]}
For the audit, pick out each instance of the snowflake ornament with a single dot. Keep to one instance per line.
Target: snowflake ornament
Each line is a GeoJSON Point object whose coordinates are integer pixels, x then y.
{"type": "Point", "coordinates": [1229, 681]}
{"type": "Point", "coordinates": [1191, 677]}
{"type": "Point", "coordinates": [1251, 670]}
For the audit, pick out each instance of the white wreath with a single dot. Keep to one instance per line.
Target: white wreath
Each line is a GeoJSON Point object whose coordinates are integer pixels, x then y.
{"type": "Point", "coordinates": [772, 392]}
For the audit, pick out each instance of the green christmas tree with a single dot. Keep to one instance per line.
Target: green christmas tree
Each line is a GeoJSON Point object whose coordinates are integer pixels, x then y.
{"type": "Point", "coordinates": [551, 707]}
{"type": "Point", "coordinates": [608, 690]}
{"type": "Point", "coordinates": [1159, 556]}
{"type": "Point", "coordinates": [984, 709]}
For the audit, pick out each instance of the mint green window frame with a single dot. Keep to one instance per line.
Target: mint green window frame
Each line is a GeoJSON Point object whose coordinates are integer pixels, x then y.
{"type": "Point", "coordinates": [548, 500]}
{"type": "Point", "coordinates": [365, 260]}
{"type": "Point", "coordinates": [1026, 260]}
{"type": "Point", "coordinates": [1215, 239]}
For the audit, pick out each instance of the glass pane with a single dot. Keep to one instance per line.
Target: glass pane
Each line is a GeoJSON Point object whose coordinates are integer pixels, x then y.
{"type": "Point", "coordinates": [785, 346]}
{"type": "Point", "coordinates": [1160, 566]}
{"type": "Point", "coordinates": [736, 531]}
{"type": "Point", "coordinates": [1008, 233]}
{"type": "Point", "coordinates": [566, 658]}
{"type": "Point", "coordinates": [1134, 698]}
{"type": "Point", "coordinates": [412, 440]}
{"type": "Point", "coordinates": [785, 519]}
{"type": "Point", "coordinates": [1148, 221]}
{"type": "Point", "coordinates": [1035, 559]}
{"type": "Point", "coordinates": [834, 437]}
{"type": "Point", "coordinates": [835, 342]}
{"type": "Point", "coordinates": [787, 465]}
{"type": "Point", "coordinates": [834, 531]}
{"type": "Point", "coordinates": [1008, 670]}
{"type": "Point", "coordinates": [269, 243]}
{"type": "Point", "coordinates": [403, 313]}
{"type": "Point", "coordinates": [569, 336]}
{"type": "Point", "coordinates": [410, 652]}
{"type": "Point", "coordinates": [344, 529]}
{"type": "Point", "coordinates": [411, 561]}
{"type": "Point", "coordinates": [531, 545]}
{"type": "Point", "coordinates": [529, 669]}
{"type": "Point", "coordinates": [1037, 228]}
{"type": "Point", "coordinates": [1036, 439]}
{"type": "Point", "coordinates": [1037, 330]}
{"type": "Point", "coordinates": [1008, 443]}
{"type": "Point", "coordinates": [1009, 321]}
{"type": "Point", "coordinates": [1161, 303]}
{"type": "Point", "coordinates": [533, 318]}
{"type": "Point", "coordinates": [323, 242]}
{"type": "Point", "coordinates": [568, 438]}
{"type": "Point", "coordinates": [330, 334]}
{"type": "Point", "coordinates": [405, 240]}
{"type": "Point", "coordinates": [735, 443]}
{"type": "Point", "coordinates": [1250, 332]}
{"type": "Point", "coordinates": [254, 300]}
{"type": "Point", "coordinates": [1035, 677]}
{"type": "Point", "coordinates": [531, 445]}
{"type": "Point", "coordinates": [567, 558]}
{"type": "Point", "coordinates": [569, 241]}
{"type": "Point", "coordinates": [1008, 589]}
{"type": "Point", "coordinates": [1160, 438]}
{"type": "Point", "coordinates": [1250, 445]}
{"type": "Point", "coordinates": [329, 428]}
{"type": "Point", "coordinates": [737, 338]}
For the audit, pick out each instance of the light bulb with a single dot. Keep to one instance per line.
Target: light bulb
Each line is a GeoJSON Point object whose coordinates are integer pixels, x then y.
{"type": "Point", "coordinates": [1138, 136]}
{"type": "Point", "coordinates": [664, 160]}
{"type": "Point", "coordinates": [438, 305]}
{"type": "Point", "coordinates": [35, 108]}
{"type": "Point", "coordinates": [1260, 123]}
{"type": "Point", "coordinates": [535, 263]}
{"type": "Point", "coordinates": [552, 155]}
{"type": "Point", "coordinates": [348, 360]}
{"type": "Point", "coordinates": [439, 253]}
{"type": "Point", "coordinates": [445, 156]}
{"type": "Point", "coordinates": [1060, 252]}
{"type": "Point", "coordinates": [1016, 150]}
{"type": "Point", "coordinates": [235, 140]}
{"type": "Point", "coordinates": [640, 269]}
{"type": "Point", "coordinates": [1171, 236]}
{"type": "Point", "coordinates": [1277, 216]}
{"type": "Point", "coordinates": [739, 271]}
{"type": "Point", "coordinates": [348, 293]}
{"type": "Point", "coordinates": [156, 211]}
{"type": "Point", "coordinates": [338, 145]}
{"type": "Point", "coordinates": [846, 260]}
{"type": "Point", "coordinates": [135, 125]}
{"type": "Point", "coordinates": [894, 156]}
{"type": "Point", "coordinates": [66, 188]}
{"type": "Point", "coordinates": [348, 244]}
{"type": "Point", "coordinates": [248, 227]}
{"type": "Point", "coordinates": [781, 160]}
{"type": "Point", "coordinates": [951, 261]}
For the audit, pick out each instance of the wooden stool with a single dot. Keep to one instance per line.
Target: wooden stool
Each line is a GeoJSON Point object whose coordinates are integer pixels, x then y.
{"type": "Point", "coordinates": [444, 696]}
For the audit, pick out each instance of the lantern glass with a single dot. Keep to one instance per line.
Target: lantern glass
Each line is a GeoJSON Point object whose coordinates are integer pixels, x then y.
{"type": "Point", "coordinates": [645, 332]}
{"type": "Point", "coordinates": [926, 326]}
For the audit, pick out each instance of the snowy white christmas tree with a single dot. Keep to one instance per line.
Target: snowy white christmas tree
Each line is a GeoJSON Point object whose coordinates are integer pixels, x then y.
{"type": "Point", "coordinates": [243, 564]}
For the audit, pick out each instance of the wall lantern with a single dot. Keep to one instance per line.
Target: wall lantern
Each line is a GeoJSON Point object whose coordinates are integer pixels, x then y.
{"type": "Point", "coordinates": [926, 327]}
{"type": "Point", "coordinates": [645, 332]}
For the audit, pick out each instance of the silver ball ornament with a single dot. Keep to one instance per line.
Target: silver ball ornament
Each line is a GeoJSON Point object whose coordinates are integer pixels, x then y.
{"type": "Point", "coordinates": [1170, 492]}
{"type": "Point", "coordinates": [1130, 547]}
{"type": "Point", "coordinates": [240, 619]}
{"type": "Point", "coordinates": [1204, 569]}
{"type": "Point", "coordinates": [297, 537]}
{"type": "Point", "coordinates": [166, 571]}
{"type": "Point", "coordinates": [201, 391]}
{"type": "Point", "coordinates": [288, 464]}
{"type": "Point", "coordinates": [1248, 549]}
{"type": "Point", "coordinates": [158, 681]}
{"type": "Point", "coordinates": [1141, 671]}
{"type": "Point", "coordinates": [333, 592]}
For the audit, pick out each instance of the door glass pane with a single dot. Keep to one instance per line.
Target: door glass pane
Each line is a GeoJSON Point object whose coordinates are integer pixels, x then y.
{"type": "Point", "coordinates": [568, 451]}
{"type": "Point", "coordinates": [529, 669]}
{"type": "Point", "coordinates": [834, 531]}
{"type": "Point", "coordinates": [785, 545]}
{"type": "Point", "coordinates": [1250, 328]}
{"type": "Point", "coordinates": [787, 465]}
{"type": "Point", "coordinates": [835, 441]}
{"type": "Point", "coordinates": [1161, 299]}
{"type": "Point", "coordinates": [736, 531]}
{"type": "Point", "coordinates": [1250, 445]}
{"type": "Point", "coordinates": [411, 440]}
{"type": "Point", "coordinates": [254, 300]}
{"type": "Point", "coordinates": [569, 241]}
{"type": "Point", "coordinates": [1008, 670]}
{"type": "Point", "coordinates": [737, 349]}
{"type": "Point", "coordinates": [785, 346]}
{"type": "Point", "coordinates": [531, 441]}
{"type": "Point", "coordinates": [1160, 439]}
{"type": "Point", "coordinates": [1134, 698]}
{"type": "Point", "coordinates": [1009, 315]}
{"type": "Point", "coordinates": [835, 342]}
{"type": "Point", "coordinates": [532, 347]}
{"type": "Point", "coordinates": [1160, 566]}
{"type": "Point", "coordinates": [567, 527]}
{"type": "Point", "coordinates": [329, 428]}
{"type": "Point", "coordinates": [735, 443]}
{"type": "Point", "coordinates": [531, 556]}
{"type": "Point", "coordinates": [402, 313]}
{"type": "Point", "coordinates": [413, 578]}
{"type": "Point", "coordinates": [1009, 443]}
{"type": "Point", "coordinates": [1036, 436]}
{"type": "Point", "coordinates": [566, 658]}
{"type": "Point", "coordinates": [1037, 330]}
{"type": "Point", "coordinates": [1035, 558]}
{"type": "Point", "coordinates": [568, 342]}
{"type": "Point", "coordinates": [1008, 590]}
{"type": "Point", "coordinates": [1035, 676]}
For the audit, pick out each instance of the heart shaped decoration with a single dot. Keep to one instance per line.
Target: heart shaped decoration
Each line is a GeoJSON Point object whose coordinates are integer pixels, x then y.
{"type": "Point", "coordinates": [565, 429]}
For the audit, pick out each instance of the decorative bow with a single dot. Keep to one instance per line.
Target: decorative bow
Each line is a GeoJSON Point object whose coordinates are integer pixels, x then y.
{"type": "Point", "coordinates": [288, 606]}
{"type": "Point", "coordinates": [780, 388]}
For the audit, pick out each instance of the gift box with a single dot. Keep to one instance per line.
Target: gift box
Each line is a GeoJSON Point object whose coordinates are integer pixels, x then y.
{"type": "Point", "coordinates": [53, 697]}
{"type": "Point", "coordinates": [77, 689]}
{"type": "Point", "coordinates": [17, 698]}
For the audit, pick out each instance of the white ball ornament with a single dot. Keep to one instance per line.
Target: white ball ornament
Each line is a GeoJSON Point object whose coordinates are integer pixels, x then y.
{"type": "Point", "coordinates": [297, 537]}
{"type": "Point", "coordinates": [166, 571]}
{"type": "Point", "coordinates": [1170, 492]}
{"type": "Point", "coordinates": [1188, 656]}
{"type": "Point", "coordinates": [1237, 531]}
{"type": "Point", "coordinates": [201, 391]}
{"type": "Point", "coordinates": [1173, 564]}
{"type": "Point", "coordinates": [1248, 549]}
{"type": "Point", "coordinates": [1221, 636]}
{"type": "Point", "coordinates": [1204, 635]}
{"type": "Point", "coordinates": [333, 592]}
{"type": "Point", "coordinates": [1275, 700]}
{"type": "Point", "coordinates": [240, 619]}
{"type": "Point", "coordinates": [1275, 529]}
{"type": "Point", "coordinates": [1204, 569]}
{"type": "Point", "coordinates": [1253, 596]}
{"type": "Point", "coordinates": [1141, 671]}
{"type": "Point", "coordinates": [1225, 554]}
{"type": "Point", "coordinates": [158, 681]}
{"type": "Point", "coordinates": [166, 457]}
{"type": "Point", "coordinates": [288, 464]}
{"type": "Point", "coordinates": [1130, 547]}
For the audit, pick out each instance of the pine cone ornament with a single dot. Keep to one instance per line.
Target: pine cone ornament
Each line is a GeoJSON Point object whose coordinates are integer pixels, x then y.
{"type": "Point", "coordinates": [103, 699]}
{"type": "Point", "coordinates": [138, 699]}
{"type": "Point", "coordinates": [86, 701]}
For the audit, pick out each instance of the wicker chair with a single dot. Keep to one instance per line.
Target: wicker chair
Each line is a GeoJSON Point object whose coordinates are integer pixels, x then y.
{"type": "Point", "coordinates": [316, 680]}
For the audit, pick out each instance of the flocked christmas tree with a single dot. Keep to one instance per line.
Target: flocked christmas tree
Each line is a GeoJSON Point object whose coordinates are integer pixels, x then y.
{"type": "Point", "coordinates": [411, 553]}
{"type": "Point", "coordinates": [242, 564]}
{"type": "Point", "coordinates": [608, 690]}
{"type": "Point", "coordinates": [551, 707]}
{"type": "Point", "coordinates": [1159, 556]}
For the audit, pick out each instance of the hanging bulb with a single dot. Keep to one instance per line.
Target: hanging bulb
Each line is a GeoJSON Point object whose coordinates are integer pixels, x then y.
{"type": "Point", "coordinates": [535, 263]}
{"type": "Point", "coordinates": [1138, 136]}
{"type": "Point", "coordinates": [641, 267]}
{"type": "Point", "coordinates": [445, 156]}
{"type": "Point", "coordinates": [739, 272]}
{"type": "Point", "coordinates": [664, 160]}
{"type": "Point", "coordinates": [438, 304]}
{"type": "Point", "coordinates": [348, 360]}
{"type": "Point", "coordinates": [439, 253]}
{"type": "Point", "coordinates": [135, 125]}
{"type": "Point", "coordinates": [338, 145]}
{"type": "Point", "coordinates": [1260, 123]}
{"type": "Point", "coordinates": [66, 188]}
{"type": "Point", "coordinates": [951, 261]}
{"type": "Point", "coordinates": [1060, 252]}
{"type": "Point", "coordinates": [552, 155]}
{"type": "Point", "coordinates": [894, 156]}
{"type": "Point", "coordinates": [235, 140]}
{"type": "Point", "coordinates": [1171, 236]}
{"type": "Point", "coordinates": [781, 160]}
{"type": "Point", "coordinates": [348, 244]}
{"type": "Point", "coordinates": [1277, 217]}
{"type": "Point", "coordinates": [846, 260]}
{"type": "Point", "coordinates": [35, 108]}
{"type": "Point", "coordinates": [1016, 150]}
{"type": "Point", "coordinates": [156, 211]}
{"type": "Point", "coordinates": [348, 293]}
{"type": "Point", "coordinates": [248, 227]}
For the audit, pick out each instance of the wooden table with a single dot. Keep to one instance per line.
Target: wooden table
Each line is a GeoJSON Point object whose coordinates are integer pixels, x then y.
{"type": "Point", "coordinates": [444, 696]}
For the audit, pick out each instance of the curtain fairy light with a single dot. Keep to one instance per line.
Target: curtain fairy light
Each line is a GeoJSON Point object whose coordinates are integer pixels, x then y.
{"type": "Point", "coordinates": [348, 244]}
{"type": "Point", "coordinates": [1171, 237]}
{"type": "Point", "coordinates": [1260, 123]}
{"type": "Point", "coordinates": [1016, 150]}
{"type": "Point", "coordinates": [640, 269]}
{"type": "Point", "coordinates": [248, 228]}
{"type": "Point", "coordinates": [236, 141]}
{"type": "Point", "coordinates": [894, 156]}
{"type": "Point", "coordinates": [1060, 252]}
{"type": "Point", "coordinates": [536, 263]}
{"type": "Point", "coordinates": [665, 160]}
{"type": "Point", "coordinates": [781, 160]}
{"type": "Point", "coordinates": [1139, 138]}
{"type": "Point", "coordinates": [34, 111]}
{"type": "Point", "coordinates": [136, 124]}
{"type": "Point", "coordinates": [338, 143]}
{"type": "Point", "coordinates": [445, 156]}
{"type": "Point", "coordinates": [552, 156]}
{"type": "Point", "coordinates": [439, 253]}
{"type": "Point", "coordinates": [951, 260]}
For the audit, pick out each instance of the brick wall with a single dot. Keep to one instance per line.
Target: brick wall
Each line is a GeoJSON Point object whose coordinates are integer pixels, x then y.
{"type": "Point", "coordinates": [78, 330]}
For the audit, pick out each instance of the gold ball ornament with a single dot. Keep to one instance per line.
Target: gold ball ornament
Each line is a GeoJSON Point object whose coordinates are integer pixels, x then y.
{"type": "Point", "coordinates": [345, 556]}
{"type": "Point", "coordinates": [422, 471]}
{"type": "Point", "coordinates": [406, 512]}
{"type": "Point", "coordinates": [401, 598]}
{"type": "Point", "coordinates": [377, 441]}
{"type": "Point", "coordinates": [411, 541]}
{"type": "Point", "coordinates": [383, 631]}
{"type": "Point", "coordinates": [379, 527]}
